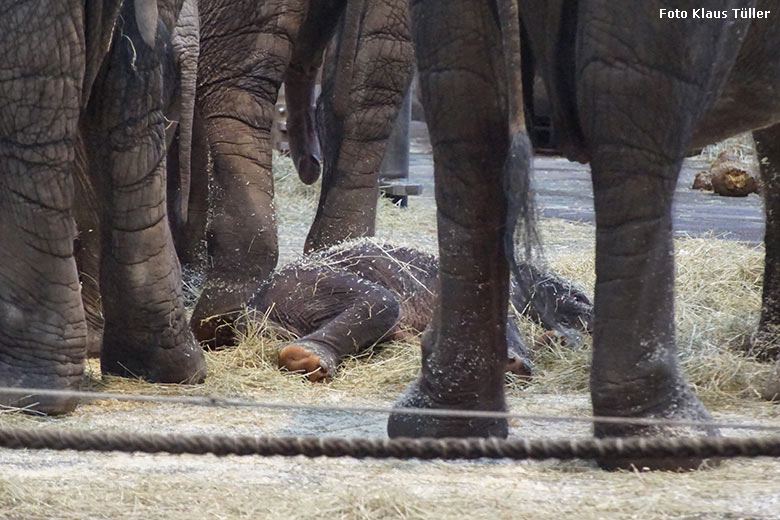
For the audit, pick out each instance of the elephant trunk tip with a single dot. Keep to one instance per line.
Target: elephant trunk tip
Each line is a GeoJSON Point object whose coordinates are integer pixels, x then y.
{"type": "Point", "coordinates": [308, 168]}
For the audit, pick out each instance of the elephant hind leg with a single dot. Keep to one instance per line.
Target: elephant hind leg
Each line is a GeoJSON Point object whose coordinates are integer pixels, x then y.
{"type": "Point", "coordinates": [637, 147]}
{"type": "Point", "coordinates": [766, 342]}
{"type": "Point", "coordinates": [464, 349]}
{"type": "Point", "coordinates": [255, 39]}
{"type": "Point", "coordinates": [353, 143]}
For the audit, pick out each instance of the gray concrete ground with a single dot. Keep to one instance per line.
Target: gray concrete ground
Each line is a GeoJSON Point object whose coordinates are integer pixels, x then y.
{"type": "Point", "coordinates": [563, 190]}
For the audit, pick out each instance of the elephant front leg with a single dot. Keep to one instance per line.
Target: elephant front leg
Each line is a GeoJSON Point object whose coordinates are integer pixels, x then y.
{"type": "Point", "coordinates": [354, 141]}
{"type": "Point", "coordinates": [245, 49]}
{"type": "Point", "coordinates": [767, 339]}
{"type": "Point", "coordinates": [146, 332]}
{"type": "Point", "coordinates": [464, 350]}
{"type": "Point", "coordinates": [42, 325]}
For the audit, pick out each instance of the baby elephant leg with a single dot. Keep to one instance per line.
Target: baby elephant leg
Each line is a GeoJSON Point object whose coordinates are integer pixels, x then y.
{"type": "Point", "coordinates": [337, 314]}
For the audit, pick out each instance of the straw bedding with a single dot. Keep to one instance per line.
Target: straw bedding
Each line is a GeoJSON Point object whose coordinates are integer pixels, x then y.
{"type": "Point", "coordinates": [718, 288]}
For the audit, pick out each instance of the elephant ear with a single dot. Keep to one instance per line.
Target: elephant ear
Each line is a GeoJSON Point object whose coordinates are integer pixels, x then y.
{"type": "Point", "coordinates": [146, 15]}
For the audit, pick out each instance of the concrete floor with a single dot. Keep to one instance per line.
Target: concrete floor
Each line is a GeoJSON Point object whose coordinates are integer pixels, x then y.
{"type": "Point", "coordinates": [563, 190]}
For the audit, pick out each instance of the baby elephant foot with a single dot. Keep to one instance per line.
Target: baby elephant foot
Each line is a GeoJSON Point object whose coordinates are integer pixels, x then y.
{"type": "Point", "coordinates": [402, 424]}
{"type": "Point", "coordinates": [684, 406]}
{"type": "Point", "coordinates": [518, 357]}
{"type": "Point", "coordinates": [317, 361]}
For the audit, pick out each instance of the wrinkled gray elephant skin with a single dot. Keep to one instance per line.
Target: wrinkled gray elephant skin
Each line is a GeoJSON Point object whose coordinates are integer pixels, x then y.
{"type": "Point", "coordinates": [248, 49]}
{"type": "Point", "coordinates": [80, 81]}
{"type": "Point", "coordinates": [631, 93]}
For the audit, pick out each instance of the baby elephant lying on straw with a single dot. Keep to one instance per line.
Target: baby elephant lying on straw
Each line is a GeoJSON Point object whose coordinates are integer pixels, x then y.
{"type": "Point", "coordinates": [345, 299]}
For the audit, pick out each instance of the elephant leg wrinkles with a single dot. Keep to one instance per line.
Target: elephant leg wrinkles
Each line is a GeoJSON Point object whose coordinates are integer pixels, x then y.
{"type": "Point", "coordinates": [464, 349]}
{"type": "Point", "coordinates": [353, 143]}
{"type": "Point", "coordinates": [767, 339]}
{"type": "Point", "coordinates": [86, 212]}
{"type": "Point", "coordinates": [146, 333]}
{"type": "Point", "coordinates": [239, 75]}
{"type": "Point", "coordinates": [635, 162]}
{"type": "Point", "coordinates": [42, 323]}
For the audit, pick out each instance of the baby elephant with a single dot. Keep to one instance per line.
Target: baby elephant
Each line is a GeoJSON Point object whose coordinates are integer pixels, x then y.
{"type": "Point", "coordinates": [342, 300]}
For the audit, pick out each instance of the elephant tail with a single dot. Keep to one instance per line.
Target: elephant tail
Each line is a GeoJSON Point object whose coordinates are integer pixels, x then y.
{"type": "Point", "coordinates": [527, 286]}
{"type": "Point", "coordinates": [346, 57]}
{"type": "Point", "coordinates": [521, 218]}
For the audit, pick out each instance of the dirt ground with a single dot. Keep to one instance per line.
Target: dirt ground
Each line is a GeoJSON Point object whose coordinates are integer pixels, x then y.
{"type": "Point", "coordinates": [68, 485]}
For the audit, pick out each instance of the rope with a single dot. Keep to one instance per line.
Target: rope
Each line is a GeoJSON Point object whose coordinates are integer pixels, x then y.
{"type": "Point", "coordinates": [244, 403]}
{"type": "Point", "coordinates": [634, 448]}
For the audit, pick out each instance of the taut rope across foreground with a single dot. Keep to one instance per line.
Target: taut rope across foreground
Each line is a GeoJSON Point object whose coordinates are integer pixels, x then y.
{"type": "Point", "coordinates": [447, 449]}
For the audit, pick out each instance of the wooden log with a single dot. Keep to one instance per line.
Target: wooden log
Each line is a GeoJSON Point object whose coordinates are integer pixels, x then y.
{"type": "Point", "coordinates": [703, 181]}
{"type": "Point", "coordinates": [731, 177]}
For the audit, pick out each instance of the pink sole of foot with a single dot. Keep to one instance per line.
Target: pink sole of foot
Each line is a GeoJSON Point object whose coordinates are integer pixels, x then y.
{"type": "Point", "coordinates": [297, 359]}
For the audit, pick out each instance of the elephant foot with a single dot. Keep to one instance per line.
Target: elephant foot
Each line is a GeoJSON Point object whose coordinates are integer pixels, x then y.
{"type": "Point", "coordinates": [317, 361]}
{"type": "Point", "coordinates": [682, 406]}
{"type": "Point", "coordinates": [58, 376]}
{"type": "Point", "coordinates": [175, 359]}
{"type": "Point", "coordinates": [218, 306]}
{"type": "Point", "coordinates": [401, 424]}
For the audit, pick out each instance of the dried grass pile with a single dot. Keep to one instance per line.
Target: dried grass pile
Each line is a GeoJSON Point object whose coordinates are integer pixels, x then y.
{"type": "Point", "coordinates": [718, 298]}
{"type": "Point", "coordinates": [718, 287]}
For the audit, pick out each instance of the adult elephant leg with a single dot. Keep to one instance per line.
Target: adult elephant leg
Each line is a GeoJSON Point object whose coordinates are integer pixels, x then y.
{"type": "Point", "coordinates": [353, 142]}
{"type": "Point", "coordinates": [42, 325]}
{"type": "Point", "coordinates": [86, 212]}
{"type": "Point", "coordinates": [464, 349]}
{"type": "Point", "coordinates": [146, 332]}
{"type": "Point", "coordinates": [767, 339]}
{"type": "Point", "coordinates": [245, 50]}
{"type": "Point", "coordinates": [637, 146]}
